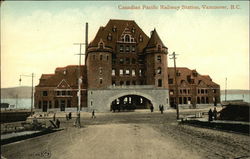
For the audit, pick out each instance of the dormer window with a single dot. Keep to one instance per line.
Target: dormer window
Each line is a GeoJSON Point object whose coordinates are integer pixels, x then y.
{"type": "Point", "coordinates": [140, 38]}
{"type": "Point", "coordinates": [101, 45]}
{"type": "Point", "coordinates": [133, 30]}
{"type": "Point", "coordinates": [127, 38]}
{"type": "Point", "coordinates": [159, 48]}
{"type": "Point", "coordinates": [109, 37]}
{"type": "Point", "coordinates": [114, 28]}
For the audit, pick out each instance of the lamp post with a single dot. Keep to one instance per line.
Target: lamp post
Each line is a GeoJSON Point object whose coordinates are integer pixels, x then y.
{"type": "Point", "coordinates": [32, 96]}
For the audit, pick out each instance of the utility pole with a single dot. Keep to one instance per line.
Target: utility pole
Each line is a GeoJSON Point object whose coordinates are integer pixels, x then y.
{"type": "Point", "coordinates": [32, 96]}
{"type": "Point", "coordinates": [176, 86]}
{"type": "Point", "coordinates": [79, 86]}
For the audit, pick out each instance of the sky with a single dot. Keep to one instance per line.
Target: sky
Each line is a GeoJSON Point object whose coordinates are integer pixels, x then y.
{"type": "Point", "coordinates": [37, 37]}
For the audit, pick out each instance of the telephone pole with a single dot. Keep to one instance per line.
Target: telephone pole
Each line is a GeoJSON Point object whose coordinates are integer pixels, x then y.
{"type": "Point", "coordinates": [176, 85]}
{"type": "Point", "coordinates": [78, 124]}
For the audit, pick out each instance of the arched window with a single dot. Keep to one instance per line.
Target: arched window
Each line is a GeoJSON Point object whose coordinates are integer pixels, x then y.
{"type": "Point", "coordinates": [159, 48]}
{"type": "Point", "coordinates": [127, 38]}
{"type": "Point", "coordinates": [101, 45]}
{"type": "Point", "coordinates": [159, 70]}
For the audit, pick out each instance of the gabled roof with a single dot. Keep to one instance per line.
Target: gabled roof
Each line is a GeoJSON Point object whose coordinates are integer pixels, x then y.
{"type": "Point", "coordinates": [155, 40]}
{"type": "Point", "coordinates": [184, 72]}
{"type": "Point", "coordinates": [68, 76]}
{"type": "Point", "coordinates": [119, 26]}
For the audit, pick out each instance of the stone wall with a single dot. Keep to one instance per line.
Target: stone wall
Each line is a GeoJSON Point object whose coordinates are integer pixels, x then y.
{"type": "Point", "coordinates": [101, 99]}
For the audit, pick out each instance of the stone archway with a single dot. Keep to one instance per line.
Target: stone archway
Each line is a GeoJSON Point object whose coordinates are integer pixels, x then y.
{"type": "Point", "coordinates": [100, 100]}
{"type": "Point", "coordinates": [130, 102]}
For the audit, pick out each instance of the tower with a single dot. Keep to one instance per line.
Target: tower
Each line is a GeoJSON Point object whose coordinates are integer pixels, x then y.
{"type": "Point", "coordinates": [156, 62]}
{"type": "Point", "coordinates": [99, 66]}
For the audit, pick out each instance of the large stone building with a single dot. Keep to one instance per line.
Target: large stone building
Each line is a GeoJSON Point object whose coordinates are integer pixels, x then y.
{"type": "Point", "coordinates": [194, 89]}
{"type": "Point", "coordinates": [124, 69]}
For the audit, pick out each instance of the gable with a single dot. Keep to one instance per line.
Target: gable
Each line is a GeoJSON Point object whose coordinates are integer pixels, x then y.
{"type": "Point", "coordinates": [63, 85]}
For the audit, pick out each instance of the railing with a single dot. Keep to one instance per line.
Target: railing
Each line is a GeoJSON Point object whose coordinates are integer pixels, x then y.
{"type": "Point", "coordinates": [132, 87]}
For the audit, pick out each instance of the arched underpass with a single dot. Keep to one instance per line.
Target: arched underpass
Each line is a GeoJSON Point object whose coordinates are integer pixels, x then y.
{"type": "Point", "coordinates": [130, 103]}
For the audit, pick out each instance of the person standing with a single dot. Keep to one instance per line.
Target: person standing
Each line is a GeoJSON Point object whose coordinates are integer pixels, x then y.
{"type": "Point", "coordinates": [215, 113]}
{"type": "Point", "coordinates": [210, 115]}
{"type": "Point", "coordinates": [93, 114]}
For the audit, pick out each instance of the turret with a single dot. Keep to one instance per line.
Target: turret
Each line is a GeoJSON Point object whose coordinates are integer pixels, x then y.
{"type": "Point", "coordinates": [99, 66]}
{"type": "Point", "coordinates": [156, 62]}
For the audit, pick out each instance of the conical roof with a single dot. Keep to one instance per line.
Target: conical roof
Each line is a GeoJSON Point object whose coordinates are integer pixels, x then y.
{"type": "Point", "coordinates": [155, 40]}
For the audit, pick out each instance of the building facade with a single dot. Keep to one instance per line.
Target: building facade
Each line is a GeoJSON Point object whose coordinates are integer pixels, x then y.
{"type": "Point", "coordinates": [125, 69]}
{"type": "Point", "coordinates": [194, 90]}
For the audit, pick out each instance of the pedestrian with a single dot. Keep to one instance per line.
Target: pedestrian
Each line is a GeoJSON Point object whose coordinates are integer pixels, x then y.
{"type": "Point", "coordinates": [93, 114]}
{"type": "Point", "coordinates": [210, 115]}
{"type": "Point", "coordinates": [67, 117]}
{"type": "Point", "coordinates": [57, 123]}
{"type": "Point", "coordinates": [161, 109]}
{"type": "Point", "coordinates": [54, 117]}
{"type": "Point", "coordinates": [215, 113]}
{"type": "Point", "coordinates": [70, 115]}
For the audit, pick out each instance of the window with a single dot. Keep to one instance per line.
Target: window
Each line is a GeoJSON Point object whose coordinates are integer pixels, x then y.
{"type": "Point", "coordinates": [101, 45]}
{"type": "Point", "coordinates": [127, 38]}
{"type": "Point", "coordinates": [171, 92]}
{"type": "Point", "coordinates": [109, 37]}
{"type": "Point", "coordinates": [133, 61]}
{"type": "Point", "coordinates": [45, 93]}
{"type": "Point", "coordinates": [121, 72]}
{"type": "Point", "coordinates": [198, 91]}
{"type": "Point", "coordinates": [121, 60]}
{"type": "Point", "coordinates": [170, 81]}
{"type": "Point", "coordinates": [107, 58]}
{"type": "Point", "coordinates": [100, 57]}
{"type": "Point", "coordinates": [185, 91]}
{"type": "Point", "coordinates": [68, 93]}
{"type": "Point", "coordinates": [159, 70]}
{"type": "Point", "coordinates": [100, 80]}
{"type": "Point", "coordinates": [180, 91]}
{"type": "Point", "coordinates": [64, 72]}
{"type": "Point", "coordinates": [159, 58]}
{"type": "Point", "coordinates": [127, 72]}
{"type": "Point", "coordinates": [68, 103]}
{"type": "Point", "coordinates": [127, 60]}
{"type": "Point", "coordinates": [133, 48]}
{"type": "Point", "coordinates": [114, 28]}
{"type": "Point", "coordinates": [56, 104]}
{"type": "Point", "coordinates": [188, 91]}
{"type": "Point", "coordinates": [140, 38]}
{"type": "Point", "coordinates": [113, 72]}
{"type": "Point", "coordinates": [58, 93]}
{"type": "Point", "coordinates": [202, 91]}
{"type": "Point", "coordinates": [140, 72]}
{"type": "Point", "coordinates": [133, 30]}
{"type": "Point", "coordinates": [159, 83]}
{"type": "Point", "coordinates": [159, 48]}
{"type": "Point", "coordinates": [133, 72]}
{"type": "Point", "coordinates": [206, 91]}
{"type": "Point", "coordinates": [121, 48]}
{"type": "Point", "coordinates": [63, 93]}
{"type": "Point", "coordinates": [100, 70]}
{"type": "Point", "coordinates": [40, 105]}
{"type": "Point", "coordinates": [127, 48]}
{"type": "Point", "coordinates": [214, 90]}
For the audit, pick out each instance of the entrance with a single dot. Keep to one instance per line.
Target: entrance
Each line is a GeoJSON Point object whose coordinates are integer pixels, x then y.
{"type": "Point", "coordinates": [45, 106]}
{"type": "Point", "coordinates": [62, 105]}
{"type": "Point", "coordinates": [130, 103]}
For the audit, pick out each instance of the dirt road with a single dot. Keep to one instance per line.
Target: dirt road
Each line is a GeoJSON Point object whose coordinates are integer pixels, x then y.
{"type": "Point", "coordinates": [134, 135]}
